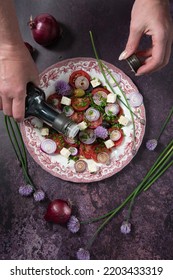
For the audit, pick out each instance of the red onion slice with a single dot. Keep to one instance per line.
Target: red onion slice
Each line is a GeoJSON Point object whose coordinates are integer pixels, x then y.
{"type": "Point", "coordinates": [87, 136]}
{"type": "Point", "coordinates": [48, 146]}
{"type": "Point", "coordinates": [100, 97]}
{"type": "Point", "coordinates": [80, 166]}
{"type": "Point", "coordinates": [135, 99]}
{"type": "Point", "coordinates": [115, 135]}
{"type": "Point", "coordinates": [68, 111]}
{"type": "Point", "coordinates": [112, 109]}
{"type": "Point", "coordinates": [82, 82]}
{"type": "Point", "coordinates": [92, 114]}
{"type": "Point", "coordinates": [73, 151]}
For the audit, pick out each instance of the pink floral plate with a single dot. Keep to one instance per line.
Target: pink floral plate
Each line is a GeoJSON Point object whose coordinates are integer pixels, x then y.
{"type": "Point", "coordinates": [58, 165]}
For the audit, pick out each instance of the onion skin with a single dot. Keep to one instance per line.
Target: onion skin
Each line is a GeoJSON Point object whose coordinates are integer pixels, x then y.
{"type": "Point", "coordinates": [45, 29]}
{"type": "Point", "coordinates": [58, 211]}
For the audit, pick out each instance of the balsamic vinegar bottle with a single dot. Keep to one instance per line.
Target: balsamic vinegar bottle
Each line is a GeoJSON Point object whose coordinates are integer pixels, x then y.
{"type": "Point", "coordinates": [35, 105]}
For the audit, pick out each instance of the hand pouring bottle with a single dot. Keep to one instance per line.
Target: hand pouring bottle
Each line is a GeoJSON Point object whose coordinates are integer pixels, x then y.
{"type": "Point", "coordinates": [36, 105]}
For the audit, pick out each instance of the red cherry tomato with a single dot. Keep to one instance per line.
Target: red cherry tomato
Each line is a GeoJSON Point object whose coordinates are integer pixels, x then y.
{"type": "Point", "coordinates": [119, 141]}
{"type": "Point", "coordinates": [80, 103]}
{"type": "Point", "coordinates": [55, 101]}
{"type": "Point", "coordinates": [77, 117]}
{"type": "Point", "coordinates": [77, 74]}
{"type": "Point", "coordinates": [91, 151]}
{"type": "Point", "coordinates": [85, 150]}
{"type": "Point", "coordinates": [59, 139]}
{"type": "Point", "coordinates": [95, 90]}
{"type": "Point", "coordinates": [95, 124]}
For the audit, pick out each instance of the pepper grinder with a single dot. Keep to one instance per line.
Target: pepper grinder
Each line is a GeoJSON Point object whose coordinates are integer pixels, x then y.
{"type": "Point", "coordinates": [35, 105]}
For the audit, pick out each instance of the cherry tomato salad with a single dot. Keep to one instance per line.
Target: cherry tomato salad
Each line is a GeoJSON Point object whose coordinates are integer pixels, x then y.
{"type": "Point", "coordinates": [99, 115]}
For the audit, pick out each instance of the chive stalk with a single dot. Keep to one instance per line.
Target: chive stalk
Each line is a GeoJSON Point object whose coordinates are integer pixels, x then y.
{"type": "Point", "coordinates": [102, 67]}
{"type": "Point", "coordinates": [165, 124]}
{"type": "Point", "coordinates": [19, 151]}
{"type": "Point", "coordinates": [160, 166]}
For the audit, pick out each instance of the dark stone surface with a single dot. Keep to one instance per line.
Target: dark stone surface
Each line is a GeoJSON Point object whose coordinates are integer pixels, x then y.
{"type": "Point", "coordinates": [23, 232]}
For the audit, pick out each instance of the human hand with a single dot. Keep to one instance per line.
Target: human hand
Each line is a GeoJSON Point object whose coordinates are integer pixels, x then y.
{"type": "Point", "coordinates": [17, 68]}
{"type": "Point", "coordinates": [150, 17]}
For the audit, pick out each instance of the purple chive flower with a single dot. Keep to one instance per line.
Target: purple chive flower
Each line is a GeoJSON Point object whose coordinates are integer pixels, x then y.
{"type": "Point", "coordinates": [83, 254]}
{"type": "Point", "coordinates": [125, 227]}
{"type": "Point", "coordinates": [63, 88]}
{"type": "Point", "coordinates": [39, 195]}
{"type": "Point", "coordinates": [101, 132]}
{"type": "Point", "coordinates": [73, 224]}
{"type": "Point", "coordinates": [26, 190]}
{"type": "Point", "coordinates": [151, 144]}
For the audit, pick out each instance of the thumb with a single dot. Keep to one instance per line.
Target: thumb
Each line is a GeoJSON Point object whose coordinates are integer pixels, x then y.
{"type": "Point", "coordinates": [132, 44]}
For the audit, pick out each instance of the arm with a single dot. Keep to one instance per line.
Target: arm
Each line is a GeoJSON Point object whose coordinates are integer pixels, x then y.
{"type": "Point", "coordinates": [150, 17]}
{"type": "Point", "coordinates": [16, 64]}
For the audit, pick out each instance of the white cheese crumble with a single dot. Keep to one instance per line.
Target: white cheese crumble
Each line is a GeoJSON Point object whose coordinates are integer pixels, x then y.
{"type": "Point", "coordinates": [65, 101]}
{"type": "Point", "coordinates": [44, 131]}
{"type": "Point", "coordinates": [123, 120]}
{"type": "Point", "coordinates": [82, 125]}
{"type": "Point", "coordinates": [111, 98]}
{"type": "Point", "coordinates": [65, 152]}
{"type": "Point", "coordinates": [109, 143]}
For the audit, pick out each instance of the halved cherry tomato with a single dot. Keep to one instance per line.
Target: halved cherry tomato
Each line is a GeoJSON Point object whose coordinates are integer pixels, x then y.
{"type": "Point", "coordinates": [80, 103]}
{"type": "Point", "coordinates": [121, 112]}
{"type": "Point", "coordinates": [91, 151]}
{"type": "Point", "coordinates": [77, 74]}
{"type": "Point", "coordinates": [77, 117]}
{"type": "Point", "coordinates": [95, 90]}
{"type": "Point", "coordinates": [99, 148]}
{"type": "Point", "coordinates": [119, 141]}
{"type": "Point", "coordinates": [85, 150]}
{"type": "Point", "coordinates": [95, 124]}
{"type": "Point", "coordinates": [114, 119]}
{"type": "Point", "coordinates": [71, 142]}
{"type": "Point", "coordinates": [59, 139]}
{"type": "Point", "coordinates": [55, 101]}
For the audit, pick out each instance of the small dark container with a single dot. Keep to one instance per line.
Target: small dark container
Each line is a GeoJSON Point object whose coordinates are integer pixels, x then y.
{"type": "Point", "coordinates": [36, 105]}
{"type": "Point", "coordinates": [134, 62]}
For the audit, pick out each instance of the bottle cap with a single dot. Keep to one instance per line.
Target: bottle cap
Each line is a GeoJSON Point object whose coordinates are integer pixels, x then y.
{"type": "Point", "coordinates": [134, 62]}
{"type": "Point", "coordinates": [73, 130]}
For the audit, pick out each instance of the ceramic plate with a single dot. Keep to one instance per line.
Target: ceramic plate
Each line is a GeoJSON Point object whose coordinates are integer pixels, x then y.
{"type": "Point", "coordinates": [58, 165]}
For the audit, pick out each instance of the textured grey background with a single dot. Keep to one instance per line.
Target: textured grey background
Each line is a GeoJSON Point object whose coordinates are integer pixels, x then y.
{"type": "Point", "coordinates": [23, 232]}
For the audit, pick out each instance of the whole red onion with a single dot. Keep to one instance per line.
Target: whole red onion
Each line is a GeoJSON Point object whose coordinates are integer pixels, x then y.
{"type": "Point", "coordinates": [45, 29]}
{"type": "Point", "coordinates": [58, 211]}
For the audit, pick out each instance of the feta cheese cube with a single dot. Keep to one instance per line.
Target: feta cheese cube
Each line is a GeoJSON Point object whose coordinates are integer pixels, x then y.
{"type": "Point", "coordinates": [95, 82]}
{"type": "Point", "coordinates": [65, 101]}
{"type": "Point", "coordinates": [111, 98]}
{"type": "Point", "coordinates": [82, 125]}
{"type": "Point", "coordinates": [123, 120]}
{"type": "Point", "coordinates": [65, 152]}
{"type": "Point", "coordinates": [92, 167]}
{"type": "Point", "coordinates": [44, 131]}
{"type": "Point", "coordinates": [109, 143]}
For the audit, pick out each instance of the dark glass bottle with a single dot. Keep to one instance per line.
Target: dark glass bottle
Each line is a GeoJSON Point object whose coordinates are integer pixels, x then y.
{"type": "Point", "coordinates": [36, 105]}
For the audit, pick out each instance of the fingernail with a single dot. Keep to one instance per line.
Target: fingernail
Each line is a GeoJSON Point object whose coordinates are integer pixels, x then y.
{"type": "Point", "coordinates": [139, 74]}
{"type": "Point", "coordinates": [123, 55]}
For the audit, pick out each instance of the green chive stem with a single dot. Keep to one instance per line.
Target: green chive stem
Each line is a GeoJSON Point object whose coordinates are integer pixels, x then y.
{"type": "Point", "coordinates": [22, 159]}
{"type": "Point", "coordinates": [7, 128]}
{"type": "Point", "coordinates": [22, 144]}
{"type": "Point", "coordinates": [144, 184]}
{"type": "Point", "coordinates": [165, 123]}
{"type": "Point", "coordinates": [102, 66]}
